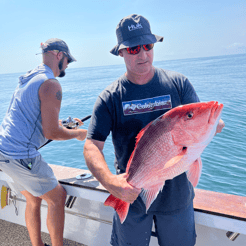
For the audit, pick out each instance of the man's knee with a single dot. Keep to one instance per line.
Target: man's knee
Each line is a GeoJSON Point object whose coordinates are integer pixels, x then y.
{"type": "Point", "coordinates": [31, 200]}
{"type": "Point", "coordinates": [63, 193]}
{"type": "Point", "coordinates": [56, 197]}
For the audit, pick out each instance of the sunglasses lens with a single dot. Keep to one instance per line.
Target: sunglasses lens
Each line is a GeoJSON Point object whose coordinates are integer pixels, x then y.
{"type": "Point", "coordinates": [136, 49]}
{"type": "Point", "coordinates": [133, 50]}
{"type": "Point", "coordinates": [69, 60]}
{"type": "Point", "coordinates": [148, 47]}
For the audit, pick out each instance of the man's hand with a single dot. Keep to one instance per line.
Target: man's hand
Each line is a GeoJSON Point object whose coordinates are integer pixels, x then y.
{"type": "Point", "coordinates": [122, 189]}
{"type": "Point", "coordinates": [82, 134]}
{"type": "Point", "coordinates": [79, 121]}
{"type": "Point", "coordinates": [117, 185]}
{"type": "Point", "coordinates": [220, 126]}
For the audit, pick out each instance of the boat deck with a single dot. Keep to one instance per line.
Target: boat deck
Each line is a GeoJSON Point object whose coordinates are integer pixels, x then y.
{"type": "Point", "coordinates": [17, 235]}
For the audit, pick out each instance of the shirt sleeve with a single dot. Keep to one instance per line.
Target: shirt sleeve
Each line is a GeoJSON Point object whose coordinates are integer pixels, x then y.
{"type": "Point", "coordinates": [101, 121]}
{"type": "Point", "coordinates": [188, 93]}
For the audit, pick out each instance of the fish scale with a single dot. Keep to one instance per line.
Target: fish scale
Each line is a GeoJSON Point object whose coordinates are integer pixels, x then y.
{"type": "Point", "coordinates": [146, 155]}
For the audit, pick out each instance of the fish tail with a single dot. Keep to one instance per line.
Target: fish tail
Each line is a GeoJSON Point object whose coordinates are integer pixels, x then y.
{"type": "Point", "coordinates": [121, 207]}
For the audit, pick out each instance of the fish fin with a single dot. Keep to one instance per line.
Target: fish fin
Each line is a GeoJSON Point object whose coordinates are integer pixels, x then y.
{"type": "Point", "coordinates": [173, 161]}
{"type": "Point", "coordinates": [194, 173]}
{"type": "Point", "coordinates": [176, 158]}
{"type": "Point", "coordinates": [121, 207]}
{"type": "Point", "coordinates": [149, 195]}
{"type": "Point", "coordinates": [141, 133]}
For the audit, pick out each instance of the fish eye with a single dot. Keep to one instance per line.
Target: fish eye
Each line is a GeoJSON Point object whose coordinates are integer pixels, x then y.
{"type": "Point", "coordinates": [189, 115]}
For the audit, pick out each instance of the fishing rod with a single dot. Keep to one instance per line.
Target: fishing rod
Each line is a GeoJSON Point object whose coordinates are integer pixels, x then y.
{"type": "Point", "coordinates": [69, 123]}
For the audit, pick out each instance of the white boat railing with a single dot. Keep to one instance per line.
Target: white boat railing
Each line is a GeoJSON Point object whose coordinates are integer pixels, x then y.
{"type": "Point", "coordinates": [217, 211]}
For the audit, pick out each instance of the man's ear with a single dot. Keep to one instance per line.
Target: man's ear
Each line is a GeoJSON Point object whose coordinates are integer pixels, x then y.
{"type": "Point", "coordinates": [120, 53]}
{"type": "Point", "coordinates": [60, 55]}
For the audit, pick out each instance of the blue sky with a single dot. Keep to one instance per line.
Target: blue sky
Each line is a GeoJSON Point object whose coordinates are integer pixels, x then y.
{"type": "Point", "coordinates": [192, 28]}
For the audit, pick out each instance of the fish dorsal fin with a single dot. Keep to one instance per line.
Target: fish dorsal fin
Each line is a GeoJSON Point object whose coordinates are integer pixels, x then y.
{"type": "Point", "coordinates": [130, 160]}
{"type": "Point", "coordinates": [149, 195]}
{"type": "Point", "coordinates": [141, 133]}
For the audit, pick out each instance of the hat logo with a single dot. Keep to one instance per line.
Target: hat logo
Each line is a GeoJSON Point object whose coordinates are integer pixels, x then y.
{"type": "Point", "coordinates": [43, 45]}
{"type": "Point", "coordinates": [132, 27]}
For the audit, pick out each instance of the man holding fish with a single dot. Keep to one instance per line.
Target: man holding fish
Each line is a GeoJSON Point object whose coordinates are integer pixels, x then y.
{"type": "Point", "coordinates": [153, 151]}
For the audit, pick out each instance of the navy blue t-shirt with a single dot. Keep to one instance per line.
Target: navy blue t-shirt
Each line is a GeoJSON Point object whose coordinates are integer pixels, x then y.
{"type": "Point", "coordinates": [124, 108]}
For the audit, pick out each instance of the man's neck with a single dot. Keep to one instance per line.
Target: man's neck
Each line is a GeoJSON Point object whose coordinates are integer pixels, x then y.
{"type": "Point", "coordinates": [140, 79]}
{"type": "Point", "coordinates": [49, 61]}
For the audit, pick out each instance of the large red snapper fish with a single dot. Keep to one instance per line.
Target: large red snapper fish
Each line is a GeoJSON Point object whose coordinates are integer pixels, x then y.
{"type": "Point", "coordinates": [167, 147]}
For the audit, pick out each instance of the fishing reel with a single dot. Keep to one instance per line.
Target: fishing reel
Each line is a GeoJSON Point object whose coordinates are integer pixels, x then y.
{"type": "Point", "coordinates": [70, 123]}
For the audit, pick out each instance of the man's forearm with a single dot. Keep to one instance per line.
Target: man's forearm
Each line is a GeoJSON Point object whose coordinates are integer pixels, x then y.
{"type": "Point", "coordinates": [96, 163]}
{"type": "Point", "coordinates": [61, 133]}
{"type": "Point", "coordinates": [117, 185]}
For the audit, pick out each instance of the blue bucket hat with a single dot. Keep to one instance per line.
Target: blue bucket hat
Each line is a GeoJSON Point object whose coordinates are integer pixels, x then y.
{"type": "Point", "coordinates": [57, 44]}
{"type": "Point", "coordinates": [134, 30]}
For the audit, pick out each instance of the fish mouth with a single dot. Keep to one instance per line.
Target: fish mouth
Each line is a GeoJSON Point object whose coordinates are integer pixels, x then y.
{"type": "Point", "coordinates": [215, 112]}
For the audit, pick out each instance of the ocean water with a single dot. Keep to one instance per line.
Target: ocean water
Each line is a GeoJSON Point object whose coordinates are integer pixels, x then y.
{"type": "Point", "coordinates": [221, 78]}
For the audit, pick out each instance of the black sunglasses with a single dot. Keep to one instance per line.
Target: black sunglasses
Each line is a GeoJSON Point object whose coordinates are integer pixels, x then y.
{"type": "Point", "coordinates": [69, 60]}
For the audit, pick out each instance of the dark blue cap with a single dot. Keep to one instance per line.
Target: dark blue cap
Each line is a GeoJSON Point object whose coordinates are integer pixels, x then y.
{"type": "Point", "coordinates": [134, 30]}
{"type": "Point", "coordinates": [57, 44]}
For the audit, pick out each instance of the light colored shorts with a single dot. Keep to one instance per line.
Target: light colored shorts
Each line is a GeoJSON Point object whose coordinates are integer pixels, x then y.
{"type": "Point", "coordinates": [31, 174]}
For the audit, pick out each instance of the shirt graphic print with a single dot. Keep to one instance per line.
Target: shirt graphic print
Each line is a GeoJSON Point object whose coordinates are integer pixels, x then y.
{"type": "Point", "coordinates": [147, 105]}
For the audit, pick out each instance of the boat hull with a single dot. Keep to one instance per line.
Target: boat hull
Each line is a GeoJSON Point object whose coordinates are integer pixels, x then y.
{"type": "Point", "coordinates": [89, 222]}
